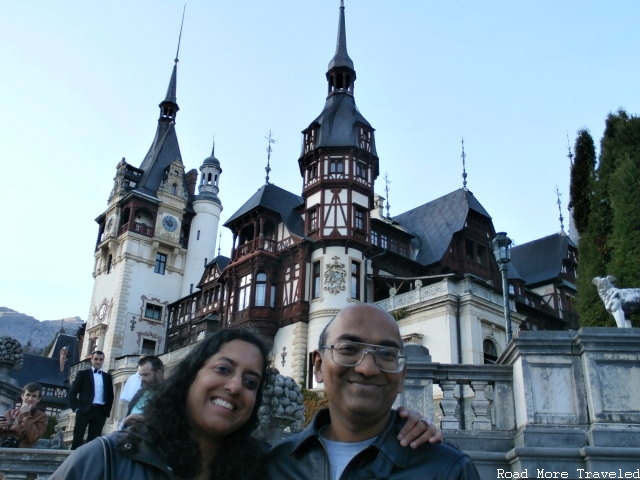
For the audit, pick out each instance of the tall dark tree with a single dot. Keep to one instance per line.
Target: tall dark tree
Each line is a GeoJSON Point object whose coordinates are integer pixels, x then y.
{"type": "Point", "coordinates": [625, 202]}
{"type": "Point", "coordinates": [582, 173]}
{"type": "Point", "coordinates": [607, 245]}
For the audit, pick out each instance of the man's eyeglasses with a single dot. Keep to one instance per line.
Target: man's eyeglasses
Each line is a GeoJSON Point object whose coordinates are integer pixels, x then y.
{"type": "Point", "coordinates": [351, 354]}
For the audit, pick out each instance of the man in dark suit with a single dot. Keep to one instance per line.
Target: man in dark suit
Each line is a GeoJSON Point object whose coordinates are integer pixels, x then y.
{"type": "Point", "coordinates": [91, 398]}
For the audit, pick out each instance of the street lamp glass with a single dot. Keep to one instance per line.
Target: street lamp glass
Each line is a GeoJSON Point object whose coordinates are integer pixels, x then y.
{"type": "Point", "coordinates": [500, 245]}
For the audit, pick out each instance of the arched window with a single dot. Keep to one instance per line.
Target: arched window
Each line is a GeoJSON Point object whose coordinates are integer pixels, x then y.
{"type": "Point", "coordinates": [261, 289]}
{"type": "Point", "coordinates": [490, 351]}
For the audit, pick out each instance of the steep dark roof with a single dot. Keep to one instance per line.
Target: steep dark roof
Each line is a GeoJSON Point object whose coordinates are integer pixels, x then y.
{"type": "Point", "coordinates": [540, 260]}
{"type": "Point", "coordinates": [434, 223]}
{"type": "Point", "coordinates": [221, 260]}
{"type": "Point", "coordinates": [163, 151]}
{"type": "Point", "coordinates": [339, 121]}
{"type": "Point", "coordinates": [44, 370]}
{"type": "Point", "coordinates": [277, 200]}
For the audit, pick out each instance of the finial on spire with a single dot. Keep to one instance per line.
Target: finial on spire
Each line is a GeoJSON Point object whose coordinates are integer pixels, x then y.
{"type": "Point", "coordinates": [270, 140]}
{"type": "Point", "coordinates": [464, 167]}
{"type": "Point", "coordinates": [570, 154]}
{"type": "Point", "coordinates": [184, 9]}
{"type": "Point", "coordinates": [561, 218]}
{"type": "Point", "coordinates": [387, 182]}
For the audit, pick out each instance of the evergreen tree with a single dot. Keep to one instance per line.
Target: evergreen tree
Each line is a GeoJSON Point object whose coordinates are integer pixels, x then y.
{"type": "Point", "coordinates": [625, 199]}
{"type": "Point", "coordinates": [606, 247]}
{"type": "Point", "coordinates": [582, 172]}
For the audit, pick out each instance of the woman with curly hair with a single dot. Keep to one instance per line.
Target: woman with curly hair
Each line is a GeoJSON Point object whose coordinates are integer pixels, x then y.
{"type": "Point", "coordinates": [197, 425]}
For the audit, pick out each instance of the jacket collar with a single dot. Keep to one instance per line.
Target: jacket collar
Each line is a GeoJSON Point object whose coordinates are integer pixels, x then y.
{"type": "Point", "coordinates": [386, 443]}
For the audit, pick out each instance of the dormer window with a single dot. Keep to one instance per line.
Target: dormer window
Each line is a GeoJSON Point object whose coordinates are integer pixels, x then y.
{"type": "Point", "coordinates": [310, 138]}
{"type": "Point", "coordinates": [365, 138]}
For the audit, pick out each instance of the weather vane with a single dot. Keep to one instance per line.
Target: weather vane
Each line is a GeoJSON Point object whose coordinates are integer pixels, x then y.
{"type": "Point", "coordinates": [561, 218]}
{"type": "Point", "coordinates": [387, 182]}
{"type": "Point", "coordinates": [270, 140]}
{"type": "Point", "coordinates": [464, 167]}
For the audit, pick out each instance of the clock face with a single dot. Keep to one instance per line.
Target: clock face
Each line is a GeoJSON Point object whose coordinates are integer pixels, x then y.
{"type": "Point", "coordinates": [169, 223]}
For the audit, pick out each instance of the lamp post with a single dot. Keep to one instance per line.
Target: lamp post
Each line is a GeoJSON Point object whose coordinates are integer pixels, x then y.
{"type": "Point", "coordinates": [501, 250]}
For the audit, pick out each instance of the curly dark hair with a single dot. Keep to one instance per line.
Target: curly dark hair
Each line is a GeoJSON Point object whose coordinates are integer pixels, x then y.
{"type": "Point", "coordinates": [173, 437]}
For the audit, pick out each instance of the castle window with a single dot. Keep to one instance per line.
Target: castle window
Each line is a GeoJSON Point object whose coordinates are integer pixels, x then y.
{"type": "Point", "coordinates": [272, 299]}
{"type": "Point", "coordinates": [261, 289]}
{"type": "Point", "coordinates": [161, 263]}
{"type": "Point", "coordinates": [244, 292]}
{"type": "Point", "coordinates": [365, 138]}
{"type": "Point", "coordinates": [109, 261]}
{"type": "Point", "coordinates": [148, 347]}
{"type": "Point", "coordinates": [336, 165]}
{"type": "Point", "coordinates": [490, 351]}
{"type": "Point", "coordinates": [152, 311]}
{"type": "Point", "coordinates": [355, 280]}
{"type": "Point", "coordinates": [313, 171]}
{"type": "Point", "coordinates": [361, 169]}
{"type": "Point", "coordinates": [313, 219]}
{"type": "Point", "coordinates": [315, 279]}
{"type": "Point", "coordinates": [358, 219]}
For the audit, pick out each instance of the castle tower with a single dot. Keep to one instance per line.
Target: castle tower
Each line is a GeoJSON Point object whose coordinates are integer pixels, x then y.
{"type": "Point", "coordinates": [141, 247]}
{"type": "Point", "coordinates": [338, 165]}
{"type": "Point", "coordinates": [204, 226]}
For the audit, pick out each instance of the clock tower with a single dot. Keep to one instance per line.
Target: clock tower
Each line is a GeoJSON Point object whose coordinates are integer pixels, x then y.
{"type": "Point", "coordinates": [142, 245]}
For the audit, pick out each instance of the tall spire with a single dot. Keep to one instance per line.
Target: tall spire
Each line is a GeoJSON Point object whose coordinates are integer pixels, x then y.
{"type": "Point", "coordinates": [341, 73]}
{"type": "Point", "coordinates": [464, 167]}
{"type": "Point", "coordinates": [169, 106]}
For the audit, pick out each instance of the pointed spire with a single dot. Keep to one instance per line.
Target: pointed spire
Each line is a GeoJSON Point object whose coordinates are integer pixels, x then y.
{"type": "Point", "coordinates": [270, 140]}
{"type": "Point", "coordinates": [169, 106]}
{"type": "Point", "coordinates": [464, 167]}
{"type": "Point", "coordinates": [341, 57]}
{"type": "Point", "coordinates": [341, 74]}
{"type": "Point", "coordinates": [561, 218]}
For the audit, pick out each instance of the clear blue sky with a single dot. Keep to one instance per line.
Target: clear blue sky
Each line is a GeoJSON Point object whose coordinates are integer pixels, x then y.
{"type": "Point", "coordinates": [81, 82]}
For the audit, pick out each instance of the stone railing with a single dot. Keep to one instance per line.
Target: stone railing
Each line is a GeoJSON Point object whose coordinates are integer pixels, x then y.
{"type": "Point", "coordinates": [29, 463]}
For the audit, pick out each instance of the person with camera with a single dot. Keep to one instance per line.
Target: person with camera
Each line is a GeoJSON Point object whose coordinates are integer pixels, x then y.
{"type": "Point", "coordinates": [23, 425]}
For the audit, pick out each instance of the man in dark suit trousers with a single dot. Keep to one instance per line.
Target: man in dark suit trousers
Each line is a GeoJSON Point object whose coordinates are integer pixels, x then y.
{"type": "Point", "coordinates": [91, 398]}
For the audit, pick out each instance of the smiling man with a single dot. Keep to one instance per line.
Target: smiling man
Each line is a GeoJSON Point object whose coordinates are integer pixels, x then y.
{"type": "Point", "coordinates": [361, 363]}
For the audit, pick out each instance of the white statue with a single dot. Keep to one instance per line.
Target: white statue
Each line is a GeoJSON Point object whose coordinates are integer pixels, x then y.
{"type": "Point", "coordinates": [618, 301]}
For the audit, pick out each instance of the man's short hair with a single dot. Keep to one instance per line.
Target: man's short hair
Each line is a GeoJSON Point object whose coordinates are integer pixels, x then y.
{"type": "Point", "coordinates": [98, 352]}
{"type": "Point", "coordinates": [32, 387]}
{"type": "Point", "coordinates": [156, 363]}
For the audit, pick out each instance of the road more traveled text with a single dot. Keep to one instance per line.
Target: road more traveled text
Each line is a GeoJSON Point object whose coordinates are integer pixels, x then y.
{"type": "Point", "coordinates": [582, 473]}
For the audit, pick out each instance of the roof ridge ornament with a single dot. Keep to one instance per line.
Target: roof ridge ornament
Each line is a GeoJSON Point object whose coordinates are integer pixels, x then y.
{"type": "Point", "coordinates": [464, 167]}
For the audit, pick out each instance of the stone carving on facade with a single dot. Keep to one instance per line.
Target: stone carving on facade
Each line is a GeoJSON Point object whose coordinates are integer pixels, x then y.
{"type": "Point", "coordinates": [334, 277]}
{"type": "Point", "coordinates": [619, 302]}
{"type": "Point", "coordinates": [11, 353]}
{"type": "Point", "coordinates": [282, 407]}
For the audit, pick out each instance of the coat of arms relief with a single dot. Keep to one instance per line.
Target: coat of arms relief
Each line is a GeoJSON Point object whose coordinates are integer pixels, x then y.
{"type": "Point", "coordinates": [334, 277]}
